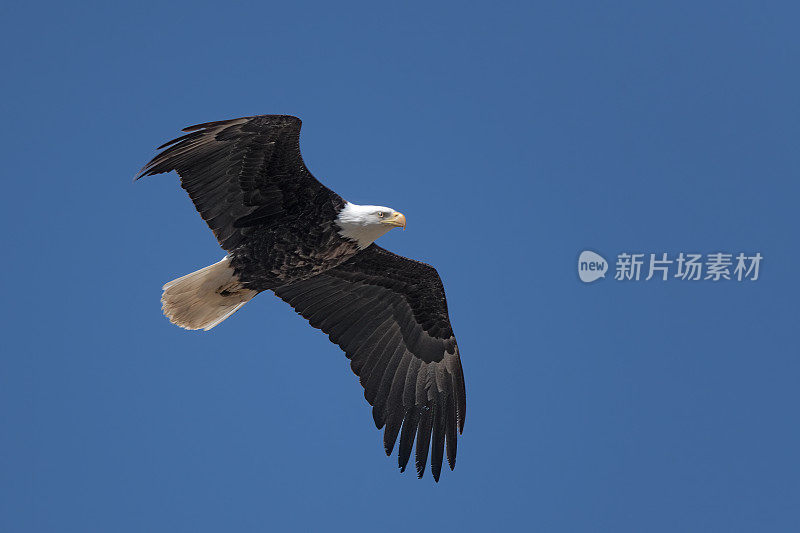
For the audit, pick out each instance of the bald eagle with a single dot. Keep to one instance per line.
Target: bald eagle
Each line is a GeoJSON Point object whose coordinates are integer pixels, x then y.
{"type": "Point", "coordinates": [285, 232]}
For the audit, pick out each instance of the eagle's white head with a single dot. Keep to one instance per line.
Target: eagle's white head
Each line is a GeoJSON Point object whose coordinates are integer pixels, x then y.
{"type": "Point", "coordinates": [365, 223]}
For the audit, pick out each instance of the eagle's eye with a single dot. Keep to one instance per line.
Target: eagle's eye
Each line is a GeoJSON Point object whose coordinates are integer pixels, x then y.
{"type": "Point", "coordinates": [380, 214]}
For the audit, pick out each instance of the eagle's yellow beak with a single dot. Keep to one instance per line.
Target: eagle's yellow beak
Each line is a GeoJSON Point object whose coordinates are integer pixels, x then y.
{"type": "Point", "coordinates": [395, 219]}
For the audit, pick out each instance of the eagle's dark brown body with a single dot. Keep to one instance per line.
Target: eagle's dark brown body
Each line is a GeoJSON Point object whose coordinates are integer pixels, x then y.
{"type": "Point", "coordinates": [285, 253]}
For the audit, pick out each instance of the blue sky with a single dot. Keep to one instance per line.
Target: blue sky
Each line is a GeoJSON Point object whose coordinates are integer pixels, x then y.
{"type": "Point", "coordinates": [512, 137]}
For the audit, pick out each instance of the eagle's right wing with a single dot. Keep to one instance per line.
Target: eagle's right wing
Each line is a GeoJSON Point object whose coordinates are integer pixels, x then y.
{"type": "Point", "coordinates": [389, 314]}
{"type": "Point", "coordinates": [244, 172]}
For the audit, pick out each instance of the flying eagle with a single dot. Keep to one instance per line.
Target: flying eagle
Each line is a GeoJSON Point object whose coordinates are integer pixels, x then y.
{"type": "Point", "coordinates": [286, 232]}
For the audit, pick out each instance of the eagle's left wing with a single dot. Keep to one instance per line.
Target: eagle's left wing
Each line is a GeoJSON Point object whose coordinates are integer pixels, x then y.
{"type": "Point", "coordinates": [243, 173]}
{"type": "Point", "coordinates": [389, 314]}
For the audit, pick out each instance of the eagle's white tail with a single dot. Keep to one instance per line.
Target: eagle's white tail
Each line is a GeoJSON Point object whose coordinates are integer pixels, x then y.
{"type": "Point", "coordinates": [203, 299]}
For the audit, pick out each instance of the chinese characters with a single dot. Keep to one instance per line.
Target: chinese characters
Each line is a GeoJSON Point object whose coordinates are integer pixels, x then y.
{"type": "Point", "coordinates": [716, 266]}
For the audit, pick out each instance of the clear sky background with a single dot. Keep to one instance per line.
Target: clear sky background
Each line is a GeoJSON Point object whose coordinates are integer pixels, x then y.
{"type": "Point", "coordinates": [513, 137]}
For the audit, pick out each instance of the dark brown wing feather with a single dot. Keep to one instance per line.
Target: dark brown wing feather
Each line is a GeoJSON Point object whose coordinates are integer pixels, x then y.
{"type": "Point", "coordinates": [242, 173]}
{"type": "Point", "coordinates": [389, 315]}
